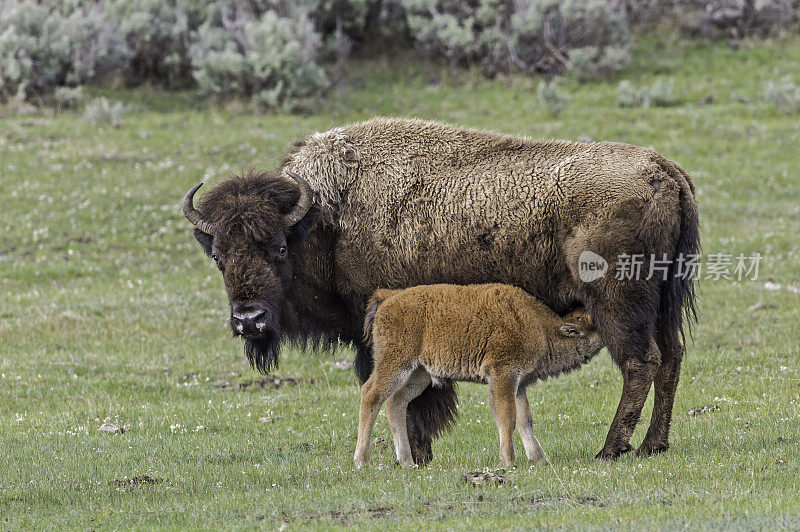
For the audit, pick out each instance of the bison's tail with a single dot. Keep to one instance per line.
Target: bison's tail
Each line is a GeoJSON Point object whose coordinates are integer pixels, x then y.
{"type": "Point", "coordinates": [678, 298]}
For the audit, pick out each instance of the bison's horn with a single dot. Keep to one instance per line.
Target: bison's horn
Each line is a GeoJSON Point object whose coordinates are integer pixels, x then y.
{"type": "Point", "coordinates": [303, 204]}
{"type": "Point", "coordinates": [192, 214]}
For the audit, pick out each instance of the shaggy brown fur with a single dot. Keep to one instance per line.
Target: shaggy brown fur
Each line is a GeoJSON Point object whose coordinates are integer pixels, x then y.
{"type": "Point", "coordinates": [402, 202]}
{"type": "Point", "coordinates": [491, 333]}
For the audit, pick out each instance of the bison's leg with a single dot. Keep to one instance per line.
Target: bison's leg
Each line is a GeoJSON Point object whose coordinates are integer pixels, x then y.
{"type": "Point", "coordinates": [665, 384]}
{"type": "Point", "coordinates": [637, 377]}
{"type": "Point", "coordinates": [428, 416]}
{"type": "Point", "coordinates": [525, 427]}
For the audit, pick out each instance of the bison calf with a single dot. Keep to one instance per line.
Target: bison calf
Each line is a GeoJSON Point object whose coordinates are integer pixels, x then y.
{"type": "Point", "coordinates": [490, 333]}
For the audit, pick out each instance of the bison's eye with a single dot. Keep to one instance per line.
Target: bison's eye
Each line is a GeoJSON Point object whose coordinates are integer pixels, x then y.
{"type": "Point", "coordinates": [215, 257]}
{"type": "Point", "coordinates": [282, 251]}
{"type": "Point", "coordinates": [580, 320]}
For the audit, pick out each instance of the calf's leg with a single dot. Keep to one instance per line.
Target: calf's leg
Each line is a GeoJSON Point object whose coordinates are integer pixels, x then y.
{"type": "Point", "coordinates": [378, 387]}
{"type": "Point", "coordinates": [533, 450]}
{"type": "Point", "coordinates": [396, 408]}
{"type": "Point", "coordinates": [502, 390]}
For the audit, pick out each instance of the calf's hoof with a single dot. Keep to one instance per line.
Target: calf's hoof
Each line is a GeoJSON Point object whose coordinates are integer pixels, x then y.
{"type": "Point", "coordinates": [537, 458]}
{"type": "Point", "coordinates": [651, 448]}
{"type": "Point", "coordinates": [507, 459]}
{"type": "Point", "coordinates": [613, 452]}
{"type": "Point", "coordinates": [360, 462]}
{"type": "Point", "coordinates": [539, 461]}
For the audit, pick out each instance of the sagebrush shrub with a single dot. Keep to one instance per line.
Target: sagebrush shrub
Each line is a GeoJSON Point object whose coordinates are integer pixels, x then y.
{"type": "Point", "coordinates": [42, 48]}
{"type": "Point", "coordinates": [783, 94]}
{"type": "Point", "coordinates": [551, 97]}
{"type": "Point", "coordinates": [529, 35]}
{"type": "Point", "coordinates": [660, 94]}
{"type": "Point", "coordinates": [101, 111]}
{"type": "Point", "coordinates": [158, 35]}
{"type": "Point", "coordinates": [628, 95]}
{"type": "Point", "coordinates": [592, 62]}
{"type": "Point", "coordinates": [65, 97]}
{"type": "Point", "coordinates": [735, 18]}
{"type": "Point", "coordinates": [271, 59]}
{"type": "Point", "coordinates": [716, 18]}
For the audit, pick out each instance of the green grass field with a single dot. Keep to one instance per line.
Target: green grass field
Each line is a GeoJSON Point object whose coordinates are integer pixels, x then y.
{"type": "Point", "coordinates": [111, 312]}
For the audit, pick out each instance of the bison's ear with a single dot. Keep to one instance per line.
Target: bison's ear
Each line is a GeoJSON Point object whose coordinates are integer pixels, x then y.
{"type": "Point", "coordinates": [570, 331]}
{"type": "Point", "coordinates": [299, 231]}
{"type": "Point", "coordinates": [205, 240]}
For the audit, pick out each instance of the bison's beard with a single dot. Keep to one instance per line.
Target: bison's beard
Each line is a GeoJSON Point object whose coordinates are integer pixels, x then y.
{"type": "Point", "coordinates": [262, 353]}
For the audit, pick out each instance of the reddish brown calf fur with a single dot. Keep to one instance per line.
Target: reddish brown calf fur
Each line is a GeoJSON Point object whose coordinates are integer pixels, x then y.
{"type": "Point", "coordinates": [490, 333]}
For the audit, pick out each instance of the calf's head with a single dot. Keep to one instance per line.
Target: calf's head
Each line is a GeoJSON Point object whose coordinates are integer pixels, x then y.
{"type": "Point", "coordinates": [250, 226]}
{"type": "Point", "coordinates": [578, 326]}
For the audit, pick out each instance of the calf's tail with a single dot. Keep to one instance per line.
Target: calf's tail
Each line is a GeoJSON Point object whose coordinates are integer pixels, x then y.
{"type": "Point", "coordinates": [369, 316]}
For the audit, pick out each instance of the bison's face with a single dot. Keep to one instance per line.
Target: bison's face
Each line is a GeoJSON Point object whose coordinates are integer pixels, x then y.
{"type": "Point", "coordinates": [250, 226]}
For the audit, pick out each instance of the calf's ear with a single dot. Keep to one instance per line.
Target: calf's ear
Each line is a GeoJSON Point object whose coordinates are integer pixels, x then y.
{"type": "Point", "coordinates": [570, 331]}
{"type": "Point", "coordinates": [205, 240]}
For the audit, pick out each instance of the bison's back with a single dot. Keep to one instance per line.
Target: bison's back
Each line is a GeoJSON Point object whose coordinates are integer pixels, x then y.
{"type": "Point", "coordinates": [420, 202]}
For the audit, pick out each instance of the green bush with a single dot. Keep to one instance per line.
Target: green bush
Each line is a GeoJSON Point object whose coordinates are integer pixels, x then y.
{"type": "Point", "coordinates": [592, 62]}
{"type": "Point", "coordinates": [783, 94]}
{"type": "Point", "coordinates": [527, 35]}
{"type": "Point", "coordinates": [101, 111]}
{"type": "Point", "coordinates": [551, 97]}
{"type": "Point", "coordinates": [660, 94]}
{"type": "Point", "coordinates": [628, 94]}
{"type": "Point", "coordinates": [158, 34]}
{"type": "Point", "coordinates": [66, 97]}
{"type": "Point", "coordinates": [270, 59]}
{"type": "Point", "coordinates": [42, 48]}
{"type": "Point", "coordinates": [735, 18]}
{"type": "Point", "coordinates": [716, 18]}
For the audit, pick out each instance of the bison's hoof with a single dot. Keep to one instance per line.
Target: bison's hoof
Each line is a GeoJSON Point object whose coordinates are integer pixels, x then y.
{"type": "Point", "coordinates": [421, 452]}
{"type": "Point", "coordinates": [612, 453]}
{"type": "Point", "coordinates": [651, 448]}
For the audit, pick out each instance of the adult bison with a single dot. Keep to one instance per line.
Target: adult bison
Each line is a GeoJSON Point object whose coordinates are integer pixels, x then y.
{"type": "Point", "coordinates": [398, 202]}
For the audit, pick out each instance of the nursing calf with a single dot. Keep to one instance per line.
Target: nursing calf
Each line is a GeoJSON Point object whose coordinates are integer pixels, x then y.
{"type": "Point", "coordinates": [490, 333]}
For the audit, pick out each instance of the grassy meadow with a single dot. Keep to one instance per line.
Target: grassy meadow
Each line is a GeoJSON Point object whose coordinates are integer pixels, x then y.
{"type": "Point", "coordinates": [110, 312]}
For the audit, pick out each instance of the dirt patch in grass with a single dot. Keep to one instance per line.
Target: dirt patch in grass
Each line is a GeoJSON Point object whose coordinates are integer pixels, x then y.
{"type": "Point", "coordinates": [376, 512]}
{"type": "Point", "coordinates": [576, 500]}
{"type": "Point", "coordinates": [261, 383]}
{"type": "Point", "coordinates": [480, 478]}
{"type": "Point", "coordinates": [341, 517]}
{"type": "Point", "coordinates": [138, 480]}
{"type": "Point", "coordinates": [302, 447]}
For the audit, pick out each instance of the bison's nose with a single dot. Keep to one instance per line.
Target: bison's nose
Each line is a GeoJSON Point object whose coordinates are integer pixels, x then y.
{"type": "Point", "coordinates": [250, 321]}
